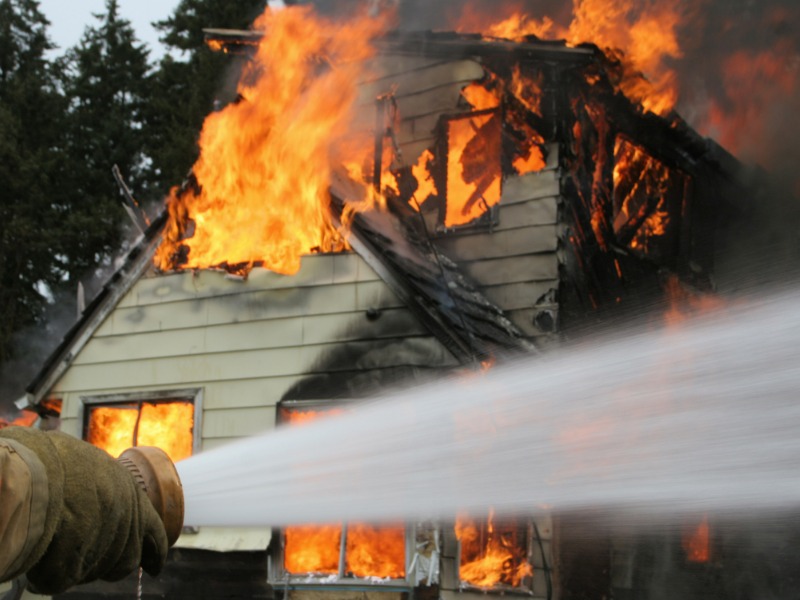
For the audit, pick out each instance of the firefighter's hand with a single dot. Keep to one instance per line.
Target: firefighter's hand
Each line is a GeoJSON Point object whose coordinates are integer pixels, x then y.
{"type": "Point", "coordinates": [106, 528]}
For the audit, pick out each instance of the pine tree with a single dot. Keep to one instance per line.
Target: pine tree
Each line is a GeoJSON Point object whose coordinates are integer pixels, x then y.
{"type": "Point", "coordinates": [31, 110]}
{"type": "Point", "coordinates": [184, 88]}
{"type": "Point", "coordinates": [105, 81]}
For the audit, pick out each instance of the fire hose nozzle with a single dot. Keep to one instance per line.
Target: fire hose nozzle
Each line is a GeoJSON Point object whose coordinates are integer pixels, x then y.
{"type": "Point", "coordinates": [155, 473]}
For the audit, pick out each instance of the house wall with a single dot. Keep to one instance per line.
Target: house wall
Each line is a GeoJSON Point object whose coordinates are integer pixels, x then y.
{"type": "Point", "coordinates": [244, 344]}
{"type": "Point", "coordinates": [516, 262]}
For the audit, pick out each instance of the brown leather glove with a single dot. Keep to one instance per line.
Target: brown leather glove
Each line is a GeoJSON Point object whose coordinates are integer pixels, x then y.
{"type": "Point", "coordinates": [106, 526]}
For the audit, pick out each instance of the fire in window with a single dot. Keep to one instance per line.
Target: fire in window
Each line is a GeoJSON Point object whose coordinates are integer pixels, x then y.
{"type": "Point", "coordinates": [473, 166]}
{"type": "Point", "coordinates": [118, 425]}
{"type": "Point", "coordinates": [647, 201]}
{"type": "Point", "coordinates": [341, 550]}
{"type": "Point", "coordinates": [494, 553]}
{"type": "Point", "coordinates": [696, 541]}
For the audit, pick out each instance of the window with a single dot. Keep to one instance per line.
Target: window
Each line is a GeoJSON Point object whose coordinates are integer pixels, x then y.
{"type": "Point", "coordinates": [340, 550]}
{"type": "Point", "coordinates": [494, 554]}
{"type": "Point", "coordinates": [647, 202]}
{"type": "Point", "coordinates": [162, 419]}
{"type": "Point", "coordinates": [473, 166]}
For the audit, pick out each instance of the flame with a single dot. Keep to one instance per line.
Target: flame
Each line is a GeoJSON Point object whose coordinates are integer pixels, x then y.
{"type": "Point", "coordinates": [260, 193]}
{"type": "Point", "coordinates": [312, 549]}
{"type": "Point", "coordinates": [376, 551]}
{"type": "Point", "coordinates": [25, 419]}
{"type": "Point", "coordinates": [642, 36]}
{"type": "Point", "coordinates": [696, 542]}
{"type": "Point", "coordinates": [426, 186]}
{"type": "Point", "coordinates": [638, 178]}
{"type": "Point", "coordinates": [473, 167]}
{"type": "Point", "coordinates": [491, 555]}
{"type": "Point", "coordinates": [370, 551]}
{"type": "Point", "coordinates": [480, 97]}
{"type": "Point", "coordinates": [166, 425]}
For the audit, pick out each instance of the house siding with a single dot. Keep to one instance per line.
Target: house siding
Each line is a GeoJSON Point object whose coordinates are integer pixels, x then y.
{"type": "Point", "coordinates": [243, 342]}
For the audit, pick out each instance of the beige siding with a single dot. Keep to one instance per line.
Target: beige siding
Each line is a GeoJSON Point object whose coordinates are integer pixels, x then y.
{"type": "Point", "coordinates": [424, 90]}
{"type": "Point", "coordinates": [244, 343]}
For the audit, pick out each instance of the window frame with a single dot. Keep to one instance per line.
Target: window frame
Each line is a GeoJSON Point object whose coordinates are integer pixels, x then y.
{"type": "Point", "coordinates": [193, 395]}
{"type": "Point", "coordinates": [276, 571]}
{"type": "Point", "coordinates": [464, 586]}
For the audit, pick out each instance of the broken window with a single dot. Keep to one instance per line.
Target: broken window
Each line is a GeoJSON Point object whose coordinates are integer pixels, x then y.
{"type": "Point", "coordinates": [473, 166]}
{"type": "Point", "coordinates": [341, 550]}
{"type": "Point", "coordinates": [495, 554]}
{"type": "Point", "coordinates": [647, 202]}
{"type": "Point", "coordinates": [165, 420]}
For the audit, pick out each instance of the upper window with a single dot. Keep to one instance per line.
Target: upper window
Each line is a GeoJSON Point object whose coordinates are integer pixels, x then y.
{"type": "Point", "coordinates": [647, 202]}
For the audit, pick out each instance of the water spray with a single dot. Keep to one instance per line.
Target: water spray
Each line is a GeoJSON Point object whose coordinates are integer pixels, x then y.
{"type": "Point", "coordinates": [679, 421]}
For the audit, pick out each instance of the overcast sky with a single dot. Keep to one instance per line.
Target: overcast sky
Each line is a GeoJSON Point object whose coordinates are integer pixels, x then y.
{"type": "Point", "coordinates": [68, 19]}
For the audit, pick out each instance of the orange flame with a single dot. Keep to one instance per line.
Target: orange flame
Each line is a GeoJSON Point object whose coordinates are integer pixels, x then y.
{"type": "Point", "coordinates": [312, 549]}
{"type": "Point", "coordinates": [638, 178]}
{"type": "Point", "coordinates": [643, 36]}
{"type": "Point", "coordinates": [166, 425]}
{"type": "Point", "coordinates": [25, 419]}
{"type": "Point", "coordinates": [696, 542]}
{"type": "Point", "coordinates": [370, 551]}
{"type": "Point", "coordinates": [491, 555]}
{"type": "Point", "coordinates": [265, 161]}
{"type": "Point", "coordinates": [473, 167]}
{"type": "Point", "coordinates": [376, 551]}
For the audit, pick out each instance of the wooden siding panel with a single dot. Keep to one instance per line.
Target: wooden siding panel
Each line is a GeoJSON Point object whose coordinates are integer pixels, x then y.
{"type": "Point", "coordinates": [237, 422]}
{"type": "Point", "coordinates": [247, 393]}
{"type": "Point", "coordinates": [204, 368]}
{"type": "Point", "coordinates": [249, 335]}
{"type": "Point", "coordinates": [250, 306]}
{"type": "Point", "coordinates": [411, 82]}
{"type": "Point", "coordinates": [535, 267]}
{"type": "Point", "coordinates": [543, 211]}
{"type": "Point", "coordinates": [391, 65]}
{"type": "Point", "coordinates": [519, 295]}
{"type": "Point", "coordinates": [541, 184]}
{"type": "Point", "coordinates": [316, 270]}
{"type": "Point", "coordinates": [513, 242]}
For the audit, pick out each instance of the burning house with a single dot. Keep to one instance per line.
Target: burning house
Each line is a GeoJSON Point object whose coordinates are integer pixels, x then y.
{"type": "Point", "coordinates": [492, 198]}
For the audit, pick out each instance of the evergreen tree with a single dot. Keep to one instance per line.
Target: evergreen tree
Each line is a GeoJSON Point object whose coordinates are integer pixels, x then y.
{"type": "Point", "coordinates": [31, 210]}
{"type": "Point", "coordinates": [105, 81]}
{"type": "Point", "coordinates": [185, 87]}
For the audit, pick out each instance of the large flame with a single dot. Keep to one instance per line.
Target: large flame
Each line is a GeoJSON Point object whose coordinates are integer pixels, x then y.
{"type": "Point", "coordinates": [491, 554]}
{"type": "Point", "coordinates": [642, 35]}
{"type": "Point", "coordinates": [166, 425]}
{"type": "Point", "coordinates": [261, 192]}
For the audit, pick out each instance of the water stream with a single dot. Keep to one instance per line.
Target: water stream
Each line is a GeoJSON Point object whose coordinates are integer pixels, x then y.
{"type": "Point", "coordinates": [681, 420]}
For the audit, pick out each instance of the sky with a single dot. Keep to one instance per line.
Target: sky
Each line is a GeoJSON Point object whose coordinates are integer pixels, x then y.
{"type": "Point", "coordinates": [69, 18]}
